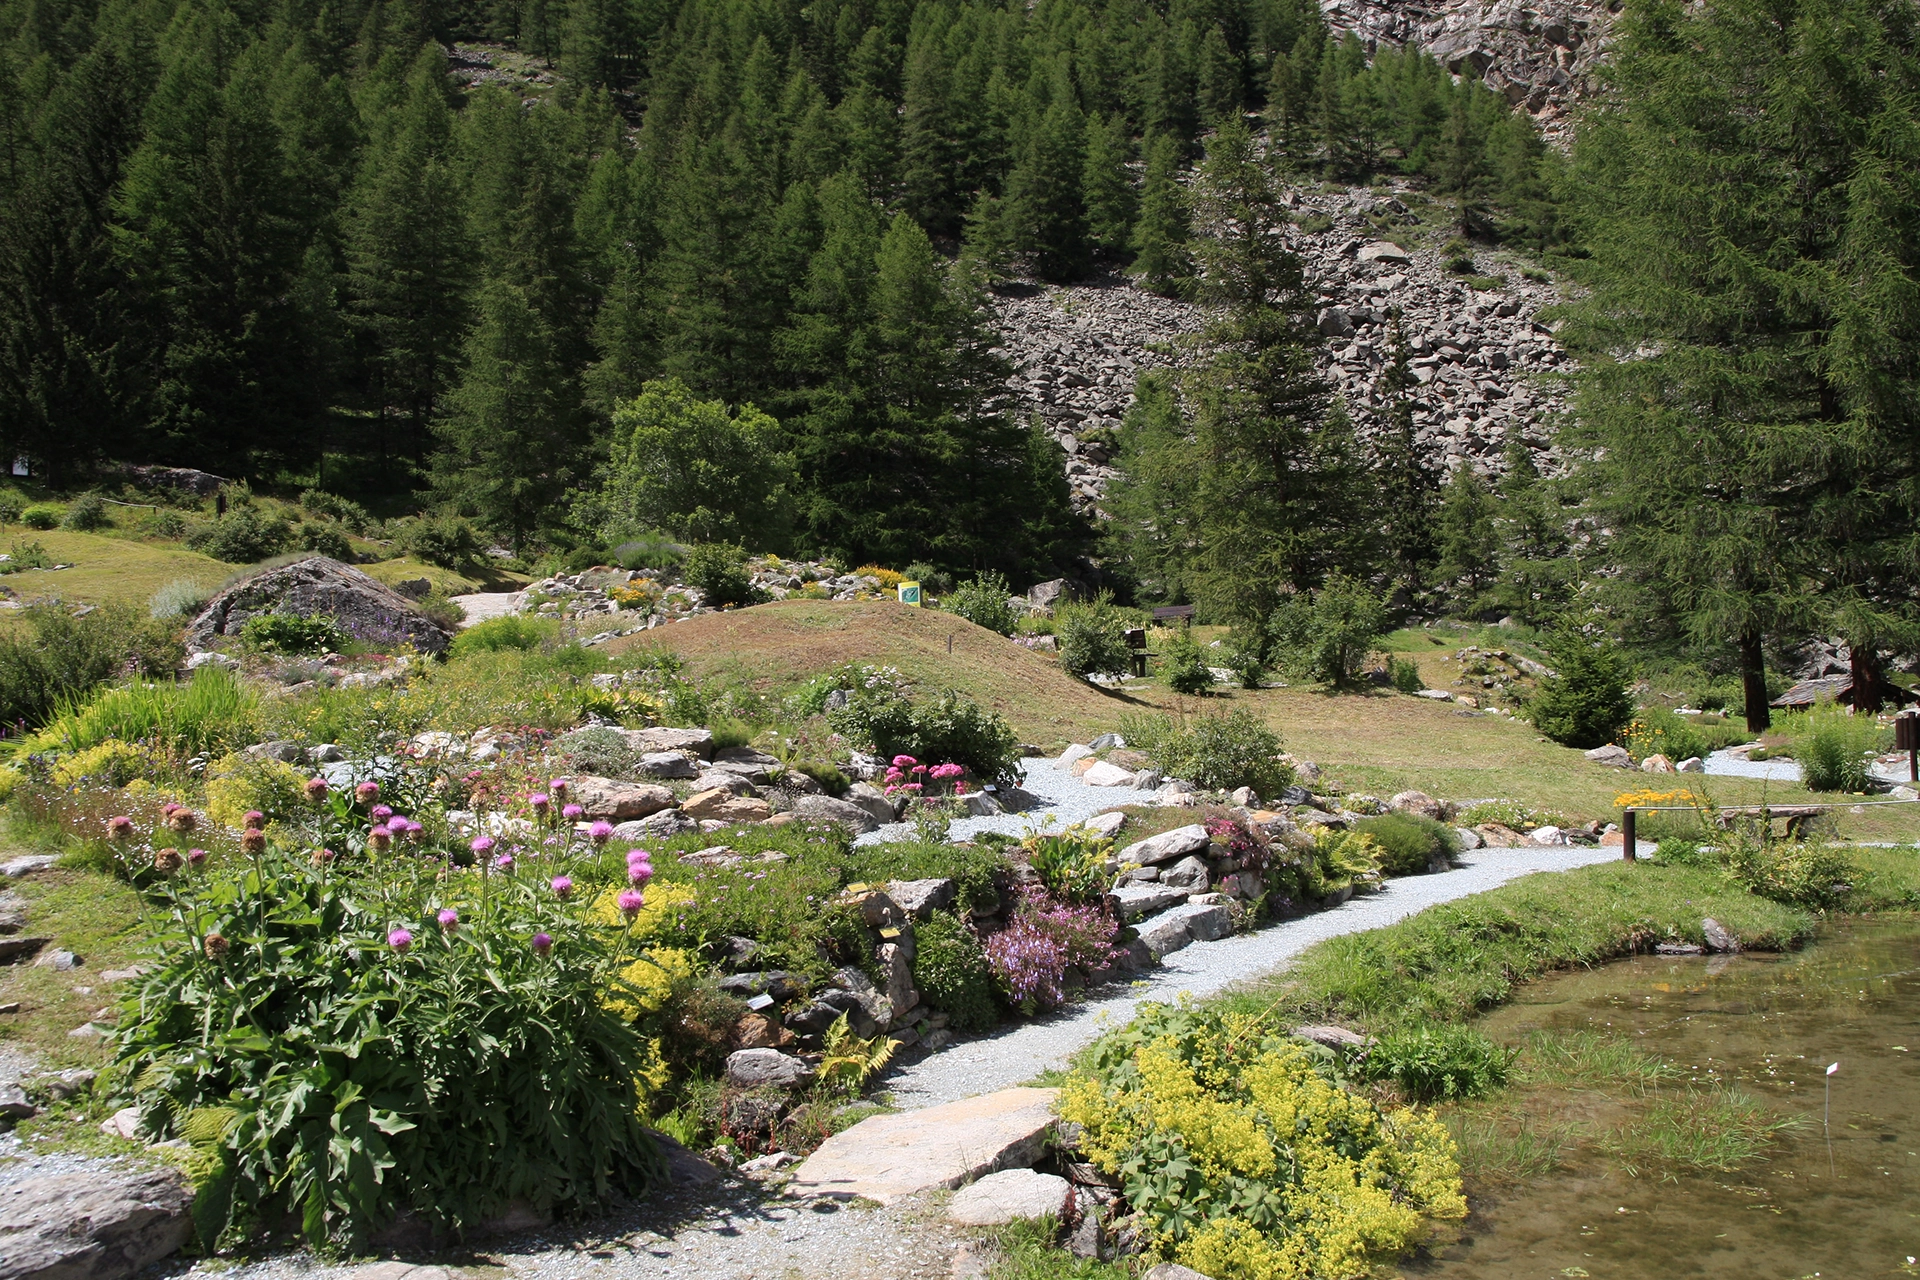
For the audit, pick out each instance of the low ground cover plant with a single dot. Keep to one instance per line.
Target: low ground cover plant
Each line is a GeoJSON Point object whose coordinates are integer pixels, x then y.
{"type": "Point", "coordinates": [1408, 842]}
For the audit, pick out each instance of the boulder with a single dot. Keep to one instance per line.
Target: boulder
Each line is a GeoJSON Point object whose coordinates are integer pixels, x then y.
{"type": "Point", "coordinates": [1613, 755]}
{"type": "Point", "coordinates": [1103, 774]}
{"type": "Point", "coordinates": [1167, 846]}
{"type": "Point", "coordinates": [1719, 937]}
{"type": "Point", "coordinates": [1547, 836]}
{"type": "Point", "coordinates": [1416, 802]}
{"type": "Point", "coordinates": [616, 801]}
{"type": "Point", "coordinates": [698, 741]}
{"type": "Point", "coordinates": [1469, 838]}
{"type": "Point", "coordinates": [1190, 874]}
{"type": "Point", "coordinates": [921, 898]}
{"type": "Point", "coordinates": [1074, 754]}
{"type": "Point", "coordinates": [766, 1068]}
{"type": "Point", "coordinates": [895, 960]}
{"type": "Point", "coordinates": [778, 983]}
{"type": "Point", "coordinates": [886, 1158]}
{"type": "Point", "coordinates": [1656, 763]}
{"type": "Point", "coordinates": [873, 800]}
{"type": "Point", "coordinates": [719, 806]}
{"type": "Point", "coordinates": [667, 764]}
{"type": "Point", "coordinates": [724, 780]}
{"type": "Point", "coordinates": [663, 825]}
{"type": "Point", "coordinates": [1137, 900]}
{"type": "Point", "coordinates": [978, 804]}
{"type": "Point", "coordinates": [845, 812]}
{"type": "Point", "coordinates": [1494, 835]}
{"type": "Point", "coordinates": [1179, 926]}
{"type": "Point", "coordinates": [1010, 1195]}
{"type": "Point", "coordinates": [314, 587]}
{"type": "Point", "coordinates": [1105, 824]}
{"type": "Point", "coordinates": [99, 1225]}
{"type": "Point", "coordinates": [14, 1104]}
{"type": "Point", "coordinates": [1385, 252]}
{"type": "Point", "coordinates": [1692, 764]}
{"type": "Point", "coordinates": [1044, 595]}
{"type": "Point", "coordinates": [1333, 1037]}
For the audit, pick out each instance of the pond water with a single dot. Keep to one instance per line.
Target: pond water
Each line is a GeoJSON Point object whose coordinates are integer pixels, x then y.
{"type": "Point", "coordinates": [1768, 1025]}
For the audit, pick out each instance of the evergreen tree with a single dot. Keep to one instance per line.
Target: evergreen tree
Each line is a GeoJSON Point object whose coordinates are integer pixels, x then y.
{"type": "Point", "coordinates": [1107, 185]}
{"type": "Point", "coordinates": [1747, 398]}
{"type": "Point", "coordinates": [1153, 502]}
{"type": "Point", "coordinates": [1468, 538]}
{"type": "Point", "coordinates": [931, 156]}
{"type": "Point", "coordinates": [1219, 90]}
{"type": "Point", "coordinates": [1045, 208]}
{"type": "Point", "coordinates": [1161, 254]}
{"type": "Point", "coordinates": [1406, 479]}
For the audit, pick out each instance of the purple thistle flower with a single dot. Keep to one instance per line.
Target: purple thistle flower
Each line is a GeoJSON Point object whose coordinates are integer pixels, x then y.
{"type": "Point", "coordinates": [542, 943]}
{"type": "Point", "coordinates": [600, 831]}
{"type": "Point", "coordinates": [399, 939]}
{"type": "Point", "coordinates": [631, 900]}
{"type": "Point", "coordinates": [381, 812]}
{"type": "Point", "coordinates": [571, 812]}
{"type": "Point", "coordinates": [562, 886]}
{"type": "Point", "coordinates": [539, 800]}
{"type": "Point", "coordinates": [449, 919]}
{"type": "Point", "coordinates": [482, 845]}
{"type": "Point", "coordinates": [504, 862]}
{"type": "Point", "coordinates": [367, 792]}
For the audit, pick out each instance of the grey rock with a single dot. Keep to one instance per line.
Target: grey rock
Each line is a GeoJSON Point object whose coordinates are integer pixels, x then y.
{"type": "Point", "coordinates": [101, 1225]}
{"type": "Point", "coordinates": [667, 764]}
{"type": "Point", "coordinates": [60, 961]}
{"type": "Point", "coordinates": [283, 751]}
{"type": "Point", "coordinates": [615, 801]}
{"type": "Point", "coordinates": [844, 812]}
{"type": "Point", "coordinates": [1167, 846]}
{"type": "Point", "coordinates": [1692, 764]}
{"type": "Point", "coordinates": [1148, 780]}
{"type": "Point", "coordinates": [1469, 838]}
{"type": "Point", "coordinates": [414, 588]}
{"type": "Point", "coordinates": [660, 826]}
{"type": "Point", "coordinates": [1008, 1196]}
{"type": "Point", "coordinates": [1016, 799]}
{"type": "Point", "coordinates": [896, 966]}
{"type": "Point", "coordinates": [921, 898]}
{"type": "Point", "coordinates": [68, 1084]}
{"type": "Point", "coordinates": [326, 753]}
{"type": "Point", "coordinates": [873, 800]}
{"type": "Point", "coordinates": [978, 804]}
{"type": "Point", "coordinates": [1044, 595]}
{"type": "Point", "coordinates": [312, 587]}
{"type": "Point", "coordinates": [698, 741]}
{"type": "Point", "coordinates": [1179, 926]}
{"type": "Point", "coordinates": [778, 983]}
{"type": "Point", "coordinates": [15, 948]}
{"type": "Point", "coordinates": [14, 1104]}
{"type": "Point", "coordinates": [1190, 874]}
{"type": "Point", "coordinates": [1139, 875]}
{"type": "Point", "coordinates": [734, 784]}
{"type": "Point", "coordinates": [1333, 1037]}
{"type": "Point", "coordinates": [1138, 900]}
{"type": "Point", "coordinates": [1418, 803]}
{"type": "Point", "coordinates": [1613, 755]}
{"type": "Point", "coordinates": [1106, 742]}
{"type": "Point", "coordinates": [26, 866]}
{"type": "Point", "coordinates": [766, 1068]}
{"type": "Point", "coordinates": [1174, 1271]}
{"type": "Point", "coordinates": [1719, 937]}
{"type": "Point", "coordinates": [1074, 754]}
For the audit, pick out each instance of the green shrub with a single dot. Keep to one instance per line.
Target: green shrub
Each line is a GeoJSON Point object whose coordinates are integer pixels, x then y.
{"type": "Point", "coordinates": [1246, 649]}
{"type": "Point", "coordinates": [1584, 704]}
{"type": "Point", "coordinates": [290, 633]}
{"type": "Point", "coordinates": [1092, 636]}
{"type": "Point", "coordinates": [883, 716]}
{"type": "Point", "coordinates": [87, 513]}
{"type": "Point", "coordinates": [56, 657]}
{"type": "Point", "coordinates": [328, 539]}
{"type": "Point", "coordinates": [449, 542]}
{"type": "Point", "coordinates": [830, 777]}
{"type": "Point", "coordinates": [1183, 667]}
{"type": "Point", "coordinates": [719, 570]}
{"type": "Point", "coordinates": [1834, 748]}
{"type": "Point", "coordinates": [40, 517]}
{"type": "Point", "coordinates": [1408, 842]}
{"type": "Point", "coordinates": [1218, 753]}
{"type": "Point", "coordinates": [950, 971]}
{"type": "Point", "coordinates": [983, 602]}
{"type": "Point", "coordinates": [1070, 863]}
{"type": "Point", "coordinates": [1656, 730]}
{"type": "Point", "coordinates": [599, 751]}
{"type": "Point", "coordinates": [1431, 1063]}
{"type": "Point", "coordinates": [1817, 876]}
{"type": "Point", "coordinates": [11, 506]}
{"type": "Point", "coordinates": [510, 631]}
{"type": "Point", "coordinates": [211, 713]}
{"type": "Point", "coordinates": [164, 524]}
{"type": "Point", "coordinates": [26, 555]}
{"type": "Point", "coordinates": [1404, 674]}
{"type": "Point", "coordinates": [649, 551]}
{"type": "Point", "coordinates": [350, 1079]}
{"type": "Point", "coordinates": [331, 506]}
{"type": "Point", "coordinates": [244, 535]}
{"type": "Point", "coordinates": [1326, 635]}
{"type": "Point", "coordinates": [932, 580]}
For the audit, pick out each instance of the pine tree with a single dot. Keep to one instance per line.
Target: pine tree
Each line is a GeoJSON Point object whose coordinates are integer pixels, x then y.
{"type": "Point", "coordinates": [1468, 539]}
{"type": "Point", "coordinates": [931, 157]}
{"type": "Point", "coordinates": [1045, 207]}
{"type": "Point", "coordinates": [1107, 184]}
{"type": "Point", "coordinates": [1161, 254]}
{"type": "Point", "coordinates": [1153, 501]}
{"type": "Point", "coordinates": [1747, 403]}
{"type": "Point", "coordinates": [1406, 479]}
{"type": "Point", "coordinates": [1220, 90]}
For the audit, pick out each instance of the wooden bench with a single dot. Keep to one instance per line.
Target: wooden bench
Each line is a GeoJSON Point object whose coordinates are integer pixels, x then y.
{"type": "Point", "coordinates": [1796, 815]}
{"type": "Point", "coordinates": [1168, 612]}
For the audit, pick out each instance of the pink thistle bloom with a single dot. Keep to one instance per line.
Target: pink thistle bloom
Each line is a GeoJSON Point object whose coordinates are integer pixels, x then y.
{"type": "Point", "coordinates": [253, 841]}
{"type": "Point", "coordinates": [639, 872]}
{"type": "Point", "coordinates": [380, 837]}
{"type": "Point", "coordinates": [504, 862]}
{"type": "Point", "coordinates": [539, 800]}
{"type": "Point", "coordinates": [316, 789]}
{"type": "Point", "coordinates": [542, 943]}
{"type": "Point", "coordinates": [572, 812]}
{"type": "Point", "coordinates": [320, 857]}
{"type": "Point", "coordinates": [367, 792]}
{"type": "Point", "coordinates": [196, 857]}
{"type": "Point", "coordinates": [631, 901]}
{"type": "Point", "coordinates": [562, 886]}
{"type": "Point", "coordinates": [600, 832]}
{"type": "Point", "coordinates": [558, 786]}
{"type": "Point", "coordinates": [449, 919]}
{"type": "Point", "coordinates": [959, 788]}
{"type": "Point", "coordinates": [400, 939]}
{"type": "Point", "coordinates": [120, 829]}
{"type": "Point", "coordinates": [380, 812]}
{"type": "Point", "coordinates": [482, 845]}
{"type": "Point", "coordinates": [254, 819]}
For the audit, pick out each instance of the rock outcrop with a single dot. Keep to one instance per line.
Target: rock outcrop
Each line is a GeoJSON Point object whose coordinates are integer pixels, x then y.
{"type": "Point", "coordinates": [317, 586]}
{"type": "Point", "coordinates": [102, 1224]}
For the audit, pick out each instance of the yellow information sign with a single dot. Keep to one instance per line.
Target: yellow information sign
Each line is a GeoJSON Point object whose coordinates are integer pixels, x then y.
{"type": "Point", "coordinates": [910, 594]}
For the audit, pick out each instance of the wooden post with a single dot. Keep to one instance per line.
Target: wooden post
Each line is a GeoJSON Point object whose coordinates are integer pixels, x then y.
{"type": "Point", "coordinates": [1626, 834]}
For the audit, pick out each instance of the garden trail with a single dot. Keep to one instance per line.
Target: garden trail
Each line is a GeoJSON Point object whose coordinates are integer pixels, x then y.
{"type": "Point", "coordinates": [738, 1230]}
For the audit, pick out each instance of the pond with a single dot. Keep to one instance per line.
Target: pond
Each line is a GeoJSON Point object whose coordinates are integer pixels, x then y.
{"type": "Point", "coordinates": [1838, 1201]}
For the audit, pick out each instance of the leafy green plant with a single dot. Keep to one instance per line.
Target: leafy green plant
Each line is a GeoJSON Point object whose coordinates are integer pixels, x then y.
{"type": "Point", "coordinates": [1092, 636]}
{"type": "Point", "coordinates": [26, 555]}
{"type": "Point", "coordinates": [719, 570]}
{"type": "Point", "coordinates": [331, 506]}
{"type": "Point", "coordinates": [847, 1061]}
{"type": "Point", "coordinates": [55, 656]}
{"type": "Point", "coordinates": [449, 542]}
{"type": "Point", "coordinates": [1404, 674]}
{"type": "Point", "coordinates": [1218, 752]}
{"type": "Point", "coordinates": [329, 540]}
{"type": "Point", "coordinates": [1182, 667]}
{"type": "Point", "coordinates": [1430, 1063]}
{"type": "Point", "coordinates": [292, 634]}
{"type": "Point", "coordinates": [1507, 813]}
{"type": "Point", "coordinates": [598, 751]}
{"type": "Point", "coordinates": [243, 536]}
{"type": "Point", "coordinates": [181, 598]}
{"type": "Point", "coordinates": [1584, 703]}
{"type": "Point", "coordinates": [1817, 876]}
{"type": "Point", "coordinates": [883, 715]}
{"type": "Point", "coordinates": [950, 971]}
{"type": "Point", "coordinates": [1071, 863]}
{"type": "Point", "coordinates": [1327, 634]}
{"type": "Point", "coordinates": [40, 517]}
{"type": "Point", "coordinates": [1408, 842]}
{"type": "Point", "coordinates": [649, 551]}
{"type": "Point", "coordinates": [87, 513]}
{"type": "Point", "coordinates": [1342, 859]}
{"type": "Point", "coordinates": [512, 631]}
{"type": "Point", "coordinates": [335, 1055]}
{"type": "Point", "coordinates": [983, 602]}
{"type": "Point", "coordinates": [11, 505]}
{"type": "Point", "coordinates": [1833, 748]}
{"type": "Point", "coordinates": [1656, 730]}
{"type": "Point", "coordinates": [212, 712]}
{"type": "Point", "coordinates": [975, 869]}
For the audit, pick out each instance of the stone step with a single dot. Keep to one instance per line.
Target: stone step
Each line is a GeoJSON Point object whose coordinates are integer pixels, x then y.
{"type": "Point", "coordinates": [887, 1158]}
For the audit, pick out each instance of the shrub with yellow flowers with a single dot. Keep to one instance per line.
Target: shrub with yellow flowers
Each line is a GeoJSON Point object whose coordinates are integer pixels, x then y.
{"type": "Point", "coordinates": [1242, 1160]}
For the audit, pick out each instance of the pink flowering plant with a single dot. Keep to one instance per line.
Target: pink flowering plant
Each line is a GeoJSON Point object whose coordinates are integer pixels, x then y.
{"type": "Point", "coordinates": [932, 793]}
{"type": "Point", "coordinates": [1046, 938]}
{"type": "Point", "coordinates": [352, 1030]}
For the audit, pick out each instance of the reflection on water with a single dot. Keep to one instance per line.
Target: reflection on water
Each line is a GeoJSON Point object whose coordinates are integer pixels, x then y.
{"type": "Point", "coordinates": [1768, 1025]}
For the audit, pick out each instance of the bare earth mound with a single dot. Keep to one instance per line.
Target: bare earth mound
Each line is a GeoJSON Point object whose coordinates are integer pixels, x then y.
{"type": "Point", "coordinates": [775, 645]}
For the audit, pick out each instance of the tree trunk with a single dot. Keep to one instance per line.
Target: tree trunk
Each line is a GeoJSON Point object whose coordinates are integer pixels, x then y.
{"type": "Point", "coordinates": [1869, 691]}
{"type": "Point", "coordinates": [1753, 680]}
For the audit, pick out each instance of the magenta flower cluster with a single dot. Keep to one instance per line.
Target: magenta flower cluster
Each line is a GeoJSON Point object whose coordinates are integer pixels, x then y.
{"type": "Point", "coordinates": [1045, 938]}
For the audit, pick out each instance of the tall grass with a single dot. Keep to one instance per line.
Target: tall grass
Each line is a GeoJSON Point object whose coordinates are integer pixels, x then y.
{"type": "Point", "coordinates": [1833, 747]}
{"type": "Point", "coordinates": [1589, 1059]}
{"type": "Point", "coordinates": [1718, 1129]}
{"type": "Point", "coordinates": [213, 711]}
{"type": "Point", "coordinates": [1503, 1147]}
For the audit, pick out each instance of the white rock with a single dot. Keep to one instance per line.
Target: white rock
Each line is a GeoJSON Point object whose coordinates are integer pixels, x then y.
{"type": "Point", "coordinates": [1656, 763]}
{"type": "Point", "coordinates": [1692, 764]}
{"type": "Point", "coordinates": [1143, 898]}
{"type": "Point", "coordinates": [884, 1158]}
{"type": "Point", "coordinates": [1073, 755]}
{"type": "Point", "coordinates": [1469, 838]}
{"type": "Point", "coordinates": [1107, 775]}
{"type": "Point", "coordinates": [1105, 824]}
{"type": "Point", "coordinates": [124, 1123]}
{"type": "Point", "coordinates": [1166, 846]}
{"type": "Point", "coordinates": [1438, 695]}
{"type": "Point", "coordinates": [753, 1068]}
{"type": "Point", "coordinates": [1547, 836]}
{"type": "Point", "coordinates": [1007, 1196]}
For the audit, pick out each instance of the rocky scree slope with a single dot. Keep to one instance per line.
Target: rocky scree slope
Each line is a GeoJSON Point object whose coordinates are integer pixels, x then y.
{"type": "Point", "coordinates": [1480, 357]}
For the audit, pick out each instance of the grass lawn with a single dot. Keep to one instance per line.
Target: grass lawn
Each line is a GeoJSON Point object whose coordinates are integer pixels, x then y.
{"type": "Point", "coordinates": [450, 582]}
{"type": "Point", "coordinates": [107, 568]}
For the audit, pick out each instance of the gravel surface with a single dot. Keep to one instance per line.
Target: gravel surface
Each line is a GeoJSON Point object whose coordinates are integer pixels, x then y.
{"type": "Point", "coordinates": [482, 605]}
{"type": "Point", "coordinates": [1064, 800]}
{"type": "Point", "coordinates": [1723, 765]}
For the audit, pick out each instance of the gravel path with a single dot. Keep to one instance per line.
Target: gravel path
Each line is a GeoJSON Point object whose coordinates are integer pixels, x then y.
{"type": "Point", "coordinates": [1064, 800]}
{"type": "Point", "coordinates": [482, 605]}
{"type": "Point", "coordinates": [1722, 764]}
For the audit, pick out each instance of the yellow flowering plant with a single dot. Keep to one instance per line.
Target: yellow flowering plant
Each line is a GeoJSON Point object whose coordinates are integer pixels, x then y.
{"type": "Point", "coordinates": [1243, 1161]}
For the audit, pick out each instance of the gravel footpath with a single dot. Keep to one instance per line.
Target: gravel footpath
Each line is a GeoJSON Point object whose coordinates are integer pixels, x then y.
{"type": "Point", "coordinates": [1065, 800]}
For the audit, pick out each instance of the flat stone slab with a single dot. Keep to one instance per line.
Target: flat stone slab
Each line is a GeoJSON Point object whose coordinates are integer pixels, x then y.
{"type": "Point", "coordinates": [1107, 775]}
{"type": "Point", "coordinates": [886, 1158]}
{"type": "Point", "coordinates": [1143, 899]}
{"type": "Point", "coordinates": [1011, 1194]}
{"type": "Point", "coordinates": [1166, 846]}
{"type": "Point", "coordinates": [100, 1225]}
{"type": "Point", "coordinates": [1179, 926]}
